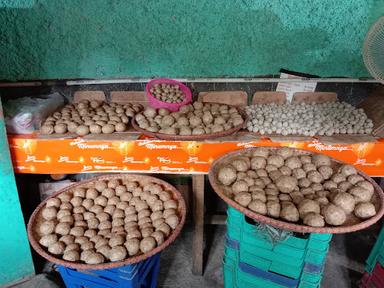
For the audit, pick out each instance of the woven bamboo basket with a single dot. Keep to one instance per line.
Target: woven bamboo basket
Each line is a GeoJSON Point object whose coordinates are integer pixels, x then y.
{"type": "Point", "coordinates": [352, 223]}
{"type": "Point", "coordinates": [194, 137]}
{"type": "Point", "coordinates": [36, 218]}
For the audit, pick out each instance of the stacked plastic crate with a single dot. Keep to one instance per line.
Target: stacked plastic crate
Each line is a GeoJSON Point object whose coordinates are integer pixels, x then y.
{"type": "Point", "coordinates": [252, 260]}
{"type": "Point", "coordinates": [374, 275]}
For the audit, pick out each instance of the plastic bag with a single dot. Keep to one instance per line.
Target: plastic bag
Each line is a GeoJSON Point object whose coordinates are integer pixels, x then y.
{"type": "Point", "coordinates": [25, 115]}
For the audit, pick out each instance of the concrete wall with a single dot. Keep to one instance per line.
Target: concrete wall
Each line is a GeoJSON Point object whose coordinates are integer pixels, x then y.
{"type": "Point", "coordinates": [196, 38]}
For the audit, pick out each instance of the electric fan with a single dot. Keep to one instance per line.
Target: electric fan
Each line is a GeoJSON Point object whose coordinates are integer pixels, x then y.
{"type": "Point", "coordinates": [373, 51]}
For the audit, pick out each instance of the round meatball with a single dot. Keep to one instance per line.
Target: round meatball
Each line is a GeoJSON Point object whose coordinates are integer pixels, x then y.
{"type": "Point", "coordinates": [243, 198]}
{"type": "Point", "coordinates": [321, 160]}
{"type": "Point", "coordinates": [117, 253]}
{"type": "Point", "coordinates": [286, 184]}
{"type": "Point", "coordinates": [347, 170]}
{"type": "Point", "coordinates": [227, 175]}
{"type": "Point", "coordinates": [241, 164]}
{"type": "Point", "coordinates": [353, 179]}
{"type": "Point", "coordinates": [258, 162]}
{"type": "Point", "coordinates": [258, 207]}
{"type": "Point", "coordinates": [325, 171]}
{"type": "Point", "coordinates": [261, 152]}
{"type": "Point", "coordinates": [239, 186]}
{"type": "Point", "coordinates": [334, 215]}
{"type": "Point", "coordinates": [365, 210]}
{"type": "Point", "coordinates": [49, 213]}
{"type": "Point", "coordinates": [47, 227]}
{"type": "Point", "coordinates": [315, 177]}
{"type": "Point", "coordinates": [366, 185]}
{"type": "Point", "coordinates": [273, 209]}
{"type": "Point", "coordinates": [345, 201]}
{"type": "Point", "coordinates": [293, 162]}
{"type": "Point", "coordinates": [284, 152]}
{"type": "Point", "coordinates": [307, 206]}
{"type": "Point", "coordinates": [275, 160]}
{"type": "Point", "coordinates": [299, 173]}
{"type": "Point", "coordinates": [361, 194]}
{"type": "Point", "coordinates": [289, 213]}
{"type": "Point", "coordinates": [314, 220]}
{"type": "Point", "coordinates": [147, 244]}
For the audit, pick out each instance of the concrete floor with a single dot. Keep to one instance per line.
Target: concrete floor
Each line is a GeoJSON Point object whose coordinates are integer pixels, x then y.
{"type": "Point", "coordinates": [344, 267]}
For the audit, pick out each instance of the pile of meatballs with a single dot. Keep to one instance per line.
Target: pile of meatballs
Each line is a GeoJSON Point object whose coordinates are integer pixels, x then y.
{"type": "Point", "coordinates": [327, 118]}
{"type": "Point", "coordinates": [90, 117]}
{"type": "Point", "coordinates": [296, 187]}
{"type": "Point", "coordinates": [107, 221]}
{"type": "Point", "coordinates": [197, 119]}
{"type": "Point", "coordinates": [167, 93]}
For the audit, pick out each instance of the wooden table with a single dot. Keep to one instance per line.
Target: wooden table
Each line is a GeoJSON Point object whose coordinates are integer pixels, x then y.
{"type": "Point", "coordinates": [69, 156]}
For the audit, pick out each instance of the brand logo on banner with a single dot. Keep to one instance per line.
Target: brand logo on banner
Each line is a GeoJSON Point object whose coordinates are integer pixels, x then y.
{"type": "Point", "coordinates": [81, 144]}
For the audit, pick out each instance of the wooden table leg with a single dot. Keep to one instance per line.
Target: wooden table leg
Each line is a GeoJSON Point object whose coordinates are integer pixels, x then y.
{"type": "Point", "coordinates": [198, 216]}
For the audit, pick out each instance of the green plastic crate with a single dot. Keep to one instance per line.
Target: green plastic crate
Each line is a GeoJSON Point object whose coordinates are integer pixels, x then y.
{"type": "Point", "coordinates": [256, 250]}
{"type": "Point", "coordinates": [250, 281]}
{"type": "Point", "coordinates": [231, 253]}
{"type": "Point", "coordinates": [229, 274]}
{"type": "Point", "coordinates": [313, 278]}
{"type": "Point", "coordinates": [234, 233]}
{"type": "Point", "coordinates": [380, 259]}
{"type": "Point", "coordinates": [377, 250]}
{"type": "Point", "coordinates": [314, 257]}
{"type": "Point", "coordinates": [276, 264]}
{"type": "Point", "coordinates": [309, 285]}
{"type": "Point", "coordinates": [236, 220]}
{"type": "Point", "coordinates": [278, 253]}
{"type": "Point", "coordinates": [235, 278]}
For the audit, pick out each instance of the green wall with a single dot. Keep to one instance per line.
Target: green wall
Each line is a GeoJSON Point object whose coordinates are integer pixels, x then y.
{"type": "Point", "coordinates": [192, 38]}
{"type": "Point", "coordinates": [15, 255]}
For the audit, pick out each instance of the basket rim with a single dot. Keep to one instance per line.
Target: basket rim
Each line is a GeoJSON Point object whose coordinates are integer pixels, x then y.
{"type": "Point", "coordinates": [291, 226]}
{"type": "Point", "coordinates": [186, 90]}
{"type": "Point", "coordinates": [163, 136]}
{"type": "Point", "coordinates": [109, 265]}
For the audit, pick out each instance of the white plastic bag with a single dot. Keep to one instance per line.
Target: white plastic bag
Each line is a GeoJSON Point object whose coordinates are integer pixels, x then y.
{"type": "Point", "coordinates": [25, 115]}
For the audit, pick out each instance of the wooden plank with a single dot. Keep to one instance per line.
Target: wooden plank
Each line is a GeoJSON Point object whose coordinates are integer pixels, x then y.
{"type": "Point", "coordinates": [198, 233]}
{"type": "Point", "coordinates": [234, 98]}
{"type": "Point", "coordinates": [15, 254]}
{"type": "Point", "coordinates": [314, 97]}
{"type": "Point", "coordinates": [88, 95]}
{"type": "Point", "coordinates": [136, 97]}
{"type": "Point", "coordinates": [267, 97]}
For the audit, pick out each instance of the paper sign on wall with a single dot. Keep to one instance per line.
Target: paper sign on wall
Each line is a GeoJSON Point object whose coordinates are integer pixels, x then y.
{"type": "Point", "coordinates": [291, 88]}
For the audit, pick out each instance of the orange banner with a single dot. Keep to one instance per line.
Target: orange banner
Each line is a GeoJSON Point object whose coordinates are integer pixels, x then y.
{"type": "Point", "coordinates": [57, 156]}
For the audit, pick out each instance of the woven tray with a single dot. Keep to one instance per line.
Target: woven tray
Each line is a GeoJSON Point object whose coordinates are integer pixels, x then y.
{"type": "Point", "coordinates": [36, 218]}
{"type": "Point", "coordinates": [193, 137]}
{"type": "Point", "coordinates": [352, 224]}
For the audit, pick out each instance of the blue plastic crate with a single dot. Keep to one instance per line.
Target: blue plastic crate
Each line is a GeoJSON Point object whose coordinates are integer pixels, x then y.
{"type": "Point", "coordinates": [140, 275]}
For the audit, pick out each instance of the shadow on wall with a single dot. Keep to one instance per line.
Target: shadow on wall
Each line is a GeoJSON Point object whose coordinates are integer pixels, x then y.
{"type": "Point", "coordinates": [104, 39]}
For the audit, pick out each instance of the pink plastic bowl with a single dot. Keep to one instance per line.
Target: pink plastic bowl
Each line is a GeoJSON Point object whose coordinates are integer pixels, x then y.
{"type": "Point", "coordinates": [174, 107]}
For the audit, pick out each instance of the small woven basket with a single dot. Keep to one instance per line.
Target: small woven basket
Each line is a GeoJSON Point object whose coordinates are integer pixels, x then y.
{"type": "Point", "coordinates": [156, 103]}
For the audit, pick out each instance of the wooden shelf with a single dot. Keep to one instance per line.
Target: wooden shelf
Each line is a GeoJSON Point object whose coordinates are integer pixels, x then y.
{"type": "Point", "coordinates": [66, 156]}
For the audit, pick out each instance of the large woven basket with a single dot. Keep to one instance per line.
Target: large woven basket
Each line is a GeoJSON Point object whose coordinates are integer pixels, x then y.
{"type": "Point", "coordinates": [193, 137]}
{"type": "Point", "coordinates": [352, 224]}
{"type": "Point", "coordinates": [36, 218]}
